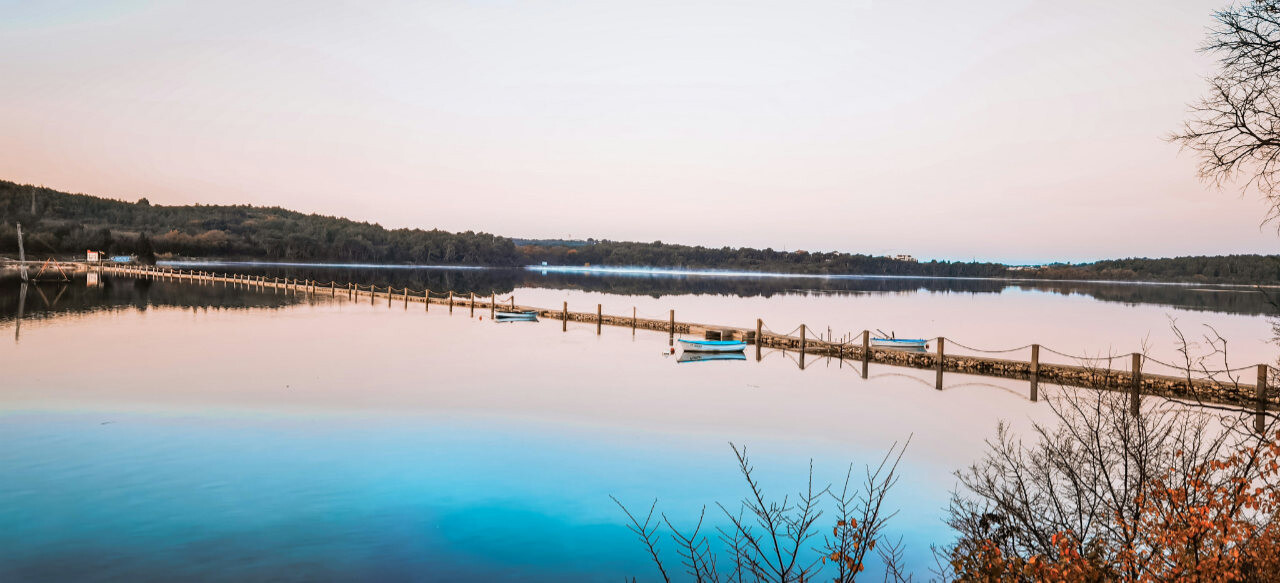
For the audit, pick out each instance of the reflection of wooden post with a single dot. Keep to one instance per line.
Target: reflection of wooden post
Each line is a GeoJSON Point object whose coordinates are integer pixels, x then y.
{"type": "Point", "coordinates": [564, 318]}
{"type": "Point", "coordinates": [1260, 395]}
{"type": "Point", "coordinates": [759, 337]}
{"type": "Point", "coordinates": [1035, 372]}
{"type": "Point", "coordinates": [1135, 400]}
{"type": "Point", "coordinates": [941, 357]}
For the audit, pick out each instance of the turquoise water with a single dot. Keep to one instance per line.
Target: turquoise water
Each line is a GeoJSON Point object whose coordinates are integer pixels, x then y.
{"type": "Point", "coordinates": [152, 433]}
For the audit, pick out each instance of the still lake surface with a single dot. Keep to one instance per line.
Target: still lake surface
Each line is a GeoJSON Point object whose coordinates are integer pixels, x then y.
{"type": "Point", "coordinates": [158, 430]}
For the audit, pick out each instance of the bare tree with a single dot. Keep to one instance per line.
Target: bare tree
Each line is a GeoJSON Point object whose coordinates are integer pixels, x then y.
{"type": "Point", "coordinates": [1236, 126]}
{"type": "Point", "coordinates": [771, 540]}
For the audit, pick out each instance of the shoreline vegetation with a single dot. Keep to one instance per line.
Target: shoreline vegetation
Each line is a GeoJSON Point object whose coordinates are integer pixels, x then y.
{"type": "Point", "coordinates": [59, 223]}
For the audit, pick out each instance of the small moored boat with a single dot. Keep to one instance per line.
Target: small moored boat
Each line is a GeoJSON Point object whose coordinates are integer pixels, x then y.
{"type": "Point", "coordinates": [512, 316]}
{"type": "Point", "coordinates": [713, 345]}
{"type": "Point", "coordinates": [907, 343]}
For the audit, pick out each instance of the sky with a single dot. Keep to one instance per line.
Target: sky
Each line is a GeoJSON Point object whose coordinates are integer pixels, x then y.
{"type": "Point", "coordinates": [1015, 131]}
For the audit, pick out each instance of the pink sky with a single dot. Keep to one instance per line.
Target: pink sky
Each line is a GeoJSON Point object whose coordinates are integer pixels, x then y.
{"type": "Point", "coordinates": [1017, 131]}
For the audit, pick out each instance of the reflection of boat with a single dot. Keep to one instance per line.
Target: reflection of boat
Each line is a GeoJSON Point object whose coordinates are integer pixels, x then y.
{"type": "Point", "coordinates": [524, 316]}
{"type": "Point", "coordinates": [900, 343]}
{"type": "Point", "coordinates": [713, 345]}
{"type": "Point", "coordinates": [705, 356]}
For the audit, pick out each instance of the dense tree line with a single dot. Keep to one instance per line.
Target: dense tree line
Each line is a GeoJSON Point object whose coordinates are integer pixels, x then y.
{"type": "Point", "coordinates": [1244, 269]}
{"type": "Point", "coordinates": [72, 223]}
{"type": "Point", "coordinates": [657, 253]}
{"type": "Point", "coordinates": [60, 223]}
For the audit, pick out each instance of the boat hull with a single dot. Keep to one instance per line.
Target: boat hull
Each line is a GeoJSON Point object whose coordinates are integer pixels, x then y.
{"type": "Point", "coordinates": [712, 345]}
{"type": "Point", "coordinates": [529, 316]}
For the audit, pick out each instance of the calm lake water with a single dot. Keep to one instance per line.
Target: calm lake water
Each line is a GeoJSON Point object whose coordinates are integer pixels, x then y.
{"type": "Point", "coordinates": [156, 430]}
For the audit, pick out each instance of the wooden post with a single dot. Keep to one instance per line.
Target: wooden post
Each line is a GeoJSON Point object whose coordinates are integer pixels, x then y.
{"type": "Point", "coordinates": [1260, 397]}
{"type": "Point", "coordinates": [426, 299]}
{"type": "Point", "coordinates": [759, 337]}
{"type": "Point", "coordinates": [564, 318]}
{"type": "Point", "coordinates": [941, 358]}
{"type": "Point", "coordinates": [351, 291]}
{"type": "Point", "coordinates": [373, 293]}
{"type": "Point", "coordinates": [473, 304]}
{"type": "Point", "coordinates": [673, 323]}
{"type": "Point", "coordinates": [633, 320]}
{"type": "Point", "coordinates": [599, 317]}
{"type": "Point", "coordinates": [333, 289]}
{"type": "Point", "coordinates": [406, 297]}
{"type": "Point", "coordinates": [493, 304]}
{"type": "Point", "coordinates": [1135, 371]}
{"type": "Point", "coordinates": [1035, 372]}
{"type": "Point", "coordinates": [390, 290]}
{"type": "Point", "coordinates": [450, 301]}
{"type": "Point", "coordinates": [513, 302]}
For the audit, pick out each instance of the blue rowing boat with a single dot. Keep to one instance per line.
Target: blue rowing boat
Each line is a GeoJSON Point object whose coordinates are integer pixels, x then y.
{"type": "Point", "coordinates": [713, 345]}
{"type": "Point", "coordinates": [527, 315]}
{"type": "Point", "coordinates": [907, 343]}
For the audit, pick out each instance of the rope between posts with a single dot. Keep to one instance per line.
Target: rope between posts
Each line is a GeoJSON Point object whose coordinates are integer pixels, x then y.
{"type": "Point", "coordinates": [1072, 356]}
{"type": "Point", "coordinates": [1200, 370]}
{"type": "Point", "coordinates": [959, 345]}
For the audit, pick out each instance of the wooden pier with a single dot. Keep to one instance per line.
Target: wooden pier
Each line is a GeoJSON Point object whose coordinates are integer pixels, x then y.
{"type": "Point", "coordinates": [1256, 396]}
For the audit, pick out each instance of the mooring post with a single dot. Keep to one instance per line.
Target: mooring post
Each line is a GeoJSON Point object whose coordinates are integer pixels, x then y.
{"type": "Point", "coordinates": [373, 293]}
{"type": "Point", "coordinates": [672, 335]}
{"type": "Point", "coordinates": [450, 301]}
{"type": "Point", "coordinates": [1035, 372]}
{"type": "Point", "coordinates": [941, 358]}
{"type": "Point", "coordinates": [426, 299]}
{"type": "Point", "coordinates": [599, 317]}
{"type": "Point", "coordinates": [1260, 398]}
{"type": "Point", "coordinates": [513, 302]}
{"type": "Point", "coordinates": [473, 303]}
{"type": "Point", "coordinates": [406, 297]}
{"type": "Point", "coordinates": [1135, 400]}
{"type": "Point", "coordinates": [493, 304]}
{"type": "Point", "coordinates": [759, 337]}
{"type": "Point", "coordinates": [390, 290]}
{"type": "Point", "coordinates": [564, 318]}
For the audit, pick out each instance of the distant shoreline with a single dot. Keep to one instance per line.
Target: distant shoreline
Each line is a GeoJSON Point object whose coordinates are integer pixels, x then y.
{"type": "Point", "coordinates": [637, 271]}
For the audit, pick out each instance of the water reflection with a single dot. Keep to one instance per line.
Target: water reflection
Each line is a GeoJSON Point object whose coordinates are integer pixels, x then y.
{"type": "Point", "coordinates": [94, 292]}
{"type": "Point", "coordinates": [1226, 299]}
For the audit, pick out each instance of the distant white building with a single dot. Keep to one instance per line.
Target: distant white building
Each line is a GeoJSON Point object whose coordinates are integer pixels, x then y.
{"type": "Point", "coordinates": [906, 258]}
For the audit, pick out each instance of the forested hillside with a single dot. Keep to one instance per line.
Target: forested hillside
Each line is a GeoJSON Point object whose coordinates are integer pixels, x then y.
{"type": "Point", "coordinates": [64, 224]}
{"type": "Point", "coordinates": [72, 223]}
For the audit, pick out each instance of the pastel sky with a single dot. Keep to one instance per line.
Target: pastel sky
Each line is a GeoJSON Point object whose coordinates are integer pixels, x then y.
{"type": "Point", "coordinates": [1020, 131]}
